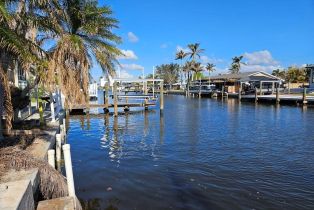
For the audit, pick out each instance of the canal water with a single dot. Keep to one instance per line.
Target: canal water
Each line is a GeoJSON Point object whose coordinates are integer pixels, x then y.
{"type": "Point", "coordinates": [200, 154]}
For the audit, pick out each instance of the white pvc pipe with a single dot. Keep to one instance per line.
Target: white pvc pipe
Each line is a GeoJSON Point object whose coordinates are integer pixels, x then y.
{"type": "Point", "coordinates": [52, 108]}
{"type": "Point", "coordinates": [62, 133]}
{"type": "Point", "coordinates": [68, 169]}
{"type": "Point", "coordinates": [65, 127]}
{"type": "Point", "coordinates": [51, 158]}
{"type": "Point", "coordinates": [58, 147]}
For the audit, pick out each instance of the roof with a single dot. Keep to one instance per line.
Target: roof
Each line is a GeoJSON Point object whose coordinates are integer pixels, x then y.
{"type": "Point", "coordinates": [246, 76]}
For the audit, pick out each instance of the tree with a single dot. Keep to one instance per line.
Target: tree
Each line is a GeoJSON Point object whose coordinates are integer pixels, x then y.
{"type": "Point", "coordinates": [84, 32]}
{"type": "Point", "coordinates": [16, 46]}
{"type": "Point", "coordinates": [236, 65]}
{"type": "Point", "coordinates": [194, 53]}
{"type": "Point", "coordinates": [210, 67]}
{"type": "Point", "coordinates": [180, 56]}
{"type": "Point", "coordinates": [168, 72]}
{"type": "Point", "coordinates": [79, 31]}
{"type": "Point", "coordinates": [279, 73]}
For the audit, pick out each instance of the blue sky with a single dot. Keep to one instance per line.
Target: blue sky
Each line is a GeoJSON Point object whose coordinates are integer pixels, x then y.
{"type": "Point", "coordinates": [269, 33]}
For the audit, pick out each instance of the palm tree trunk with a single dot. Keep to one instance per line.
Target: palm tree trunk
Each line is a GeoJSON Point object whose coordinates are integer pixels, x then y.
{"type": "Point", "coordinates": [1, 110]}
{"type": "Point", "coordinates": [5, 102]}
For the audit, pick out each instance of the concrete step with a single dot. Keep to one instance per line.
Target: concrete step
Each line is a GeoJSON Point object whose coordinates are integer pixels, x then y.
{"type": "Point", "coordinates": [16, 195]}
{"type": "Point", "coordinates": [64, 203]}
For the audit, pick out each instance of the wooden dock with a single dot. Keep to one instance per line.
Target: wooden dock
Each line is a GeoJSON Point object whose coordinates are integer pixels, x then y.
{"type": "Point", "coordinates": [112, 105]}
{"type": "Point", "coordinates": [282, 98]}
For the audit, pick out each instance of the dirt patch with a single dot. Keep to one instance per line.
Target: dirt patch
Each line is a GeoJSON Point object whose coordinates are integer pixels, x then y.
{"type": "Point", "coordinates": [22, 141]}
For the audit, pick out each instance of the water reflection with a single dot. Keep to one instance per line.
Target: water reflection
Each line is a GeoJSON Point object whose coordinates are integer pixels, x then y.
{"type": "Point", "coordinates": [198, 154]}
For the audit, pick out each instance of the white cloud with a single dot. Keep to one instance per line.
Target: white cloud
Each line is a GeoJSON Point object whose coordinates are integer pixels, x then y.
{"type": "Point", "coordinates": [260, 61]}
{"type": "Point", "coordinates": [260, 58]}
{"type": "Point", "coordinates": [128, 55]}
{"type": "Point", "coordinates": [206, 59]}
{"type": "Point", "coordinates": [126, 75]}
{"type": "Point", "coordinates": [132, 37]}
{"type": "Point", "coordinates": [132, 67]}
{"type": "Point", "coordinates": [266, 68]}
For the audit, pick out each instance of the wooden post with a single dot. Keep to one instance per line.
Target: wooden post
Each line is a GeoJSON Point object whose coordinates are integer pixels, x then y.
{"type": "Point", "coordinates": [115, 99]}
{"type": "Point", "coordinates": [145, 88]}
{"type": "Point", "coordinates": [161, 96]}
{"type": "Point", "coordinates": [277, 95]}
{"type": "Point", "coordinates": [240, 92]}
{"type": "Point", "coordinates": [256, 97]}
{"type": "Point", "coordinates": [272, 87]}
{"type": "Point", "coordinates": [304, 96]}
{"type": "Point", "coordinates": [106, 98]}
{"type": "Point", "coordinates": [260, 88]}
{"type": "Point", "coordinates": [222, 92]}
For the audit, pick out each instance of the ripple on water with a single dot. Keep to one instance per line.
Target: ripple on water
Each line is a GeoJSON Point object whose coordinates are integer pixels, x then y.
{"type": "Point", "coordinates": [201, 154]}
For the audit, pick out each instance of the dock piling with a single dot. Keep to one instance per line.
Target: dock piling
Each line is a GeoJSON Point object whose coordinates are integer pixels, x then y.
{"type": "Point", "coordinates": [58, 147]}
{"type": "Point", "coordinates": [106, 99]}
{"type": "Point", "coordinates": [277, 95]}
{"type": "Point", "coordinates": [115, 99]}
{"type": "Point", "coordinates": [256, 97]}
{"type": "Point", "coordinates": [161, 96]}
{"type": "Point", "coordinates": [240, 92]}
{"type": "Point", "coordinates": [304, 96]}
{"type": "Point", "coordinates": [68, 169]}
{"type": "Point", "coordinates": [51, 158]}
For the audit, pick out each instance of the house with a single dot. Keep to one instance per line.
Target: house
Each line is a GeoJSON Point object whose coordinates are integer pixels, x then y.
{"type": "Point", "coordinates": [310, 68]}
{"type": "Point", "coordinates": [247, 80]}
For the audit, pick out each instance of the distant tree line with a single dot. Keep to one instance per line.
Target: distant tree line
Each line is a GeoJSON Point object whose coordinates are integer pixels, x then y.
{"type": "Point", "coordinates": [293, 74]}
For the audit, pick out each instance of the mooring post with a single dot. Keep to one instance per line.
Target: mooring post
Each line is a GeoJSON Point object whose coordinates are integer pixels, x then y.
{"type": "Point", "coordinates": [58, 147]}
{"type": "Point", "coordinates": [304, 96]}
{"type": "Point", "coordinates": [277, 95]}
{"type": "Point", "coordinates": [145, 88]}
{"type": "Point", "coordinates": [51, 158]}
{"type": "Point", "coordinates": [115, 99]}
{"type": "Point", "coordinates": [106, 98]}
{"type": "Point", "coordinates": [256, 97]}
{"type": "Point", "coordinates": [52, 108]}
{"type": "Point", "coordinates": [161, 96]}
{"type": "Point", "coordinates": [68, 169]}
{"type": "Point", "coordinates": [240, 91]}
{"type": "Point", "coordinates": [62, 133]}
{"type": "Point", "coordinates": [64, 126]}
{"type": "Point", "coordinates": [222, 92]}
{"type": "Point", "coordinates": [260, 88]}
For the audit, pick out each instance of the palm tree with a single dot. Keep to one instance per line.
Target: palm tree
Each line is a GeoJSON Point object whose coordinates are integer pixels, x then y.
{"type": "Point", "coordinates": [81, 30]}
{"type": "Point", "coordinates": [14, 46]}
{"type": "Point", "coordinates": [195, 52]}
{"type": "Point", "coordinates": [198, 68]}
{"type": "Point", "coordinates": [180, 56]}
{"type": "Point", "coordinates": [84, 32]}
{"type": "Point", "coordinates": [279, 73]}
{"type": "Point", "coordinates": [236, 64]}
{"type": "Point", "coordinates": [210, 67]}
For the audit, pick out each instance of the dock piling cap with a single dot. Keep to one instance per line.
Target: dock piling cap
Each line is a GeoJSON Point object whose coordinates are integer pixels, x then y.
{"type": "Point", "coordinates": [66, 147]}
{"type": "Point", "coordinates": [51, 152]}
